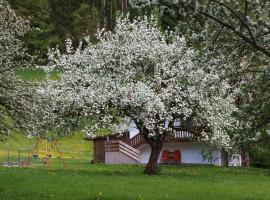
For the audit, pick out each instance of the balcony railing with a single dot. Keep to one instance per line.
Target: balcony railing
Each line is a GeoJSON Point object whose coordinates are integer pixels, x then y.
{"type": "Point", "coordinates": [180, 133]}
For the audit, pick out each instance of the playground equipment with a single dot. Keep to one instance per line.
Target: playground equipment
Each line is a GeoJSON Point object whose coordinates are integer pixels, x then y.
{"type": "Point", "coordinates": [46, 149]}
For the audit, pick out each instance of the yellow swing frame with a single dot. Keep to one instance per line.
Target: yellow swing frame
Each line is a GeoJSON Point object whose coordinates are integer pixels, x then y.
{"type": "Point", "coordinates": [46, 147]}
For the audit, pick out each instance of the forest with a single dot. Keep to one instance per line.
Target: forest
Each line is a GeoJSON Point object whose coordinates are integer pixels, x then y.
{"type": "Point", "coordinates": [54, 21]}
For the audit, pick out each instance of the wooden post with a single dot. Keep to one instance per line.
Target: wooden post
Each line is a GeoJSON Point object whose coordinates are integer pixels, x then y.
{"type": "Point", "coordinates": [34, 151]}
{"type": "Point", "coordinates": [8, 157]}
{"type": "Point", "coordinates": [60, 155]}
{"type": "Point", "coordinates": [28, 154]}
{"type": "Point", "coordinates": [245, 158]}
{"type": "Point", "coordinates": [19, 156]}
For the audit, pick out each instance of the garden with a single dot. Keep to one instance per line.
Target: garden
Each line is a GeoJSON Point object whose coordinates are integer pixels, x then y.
{"type": "Point", "coordinates": [134, 99]}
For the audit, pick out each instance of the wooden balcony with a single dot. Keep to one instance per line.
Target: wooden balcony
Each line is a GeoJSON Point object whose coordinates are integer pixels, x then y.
{"type": "Point", "coordinates": [180, 135]}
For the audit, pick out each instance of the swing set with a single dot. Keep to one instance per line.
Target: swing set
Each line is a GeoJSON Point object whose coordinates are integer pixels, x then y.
{"type": "Point", "coordinates": [45, 150]}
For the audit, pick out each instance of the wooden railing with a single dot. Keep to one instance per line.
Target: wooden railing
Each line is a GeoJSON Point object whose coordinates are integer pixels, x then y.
{"type": "Point", "coordinates": [119, 146]}
{"type": "Point", "coordinates": [136, 141]}
{"type": "Point", "coordinates": [180, 133]}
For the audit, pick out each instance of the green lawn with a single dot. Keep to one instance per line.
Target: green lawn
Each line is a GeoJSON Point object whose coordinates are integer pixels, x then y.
{"type": "Point", "coordinates": [87, 181]}
{"type": "Point", "coordinates": [82, 180]}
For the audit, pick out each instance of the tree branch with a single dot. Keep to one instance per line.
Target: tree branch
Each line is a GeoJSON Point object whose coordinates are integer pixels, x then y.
{"type": "Point", "coordinates": [241, 35]}
{"type": "Point", "coordinates": [239, 18]}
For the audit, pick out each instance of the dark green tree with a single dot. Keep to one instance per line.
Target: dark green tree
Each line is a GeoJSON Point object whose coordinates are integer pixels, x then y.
{"type": "Point", "coordinates": [85, 21]}
{"type": "Point", "coordinates": [41, 36]}
{"type": "Point", "coordinates": [55, 21]}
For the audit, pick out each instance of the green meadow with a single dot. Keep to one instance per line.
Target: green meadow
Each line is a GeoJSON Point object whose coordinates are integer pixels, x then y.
{"type": "Point", "coordinates": [79, 179]}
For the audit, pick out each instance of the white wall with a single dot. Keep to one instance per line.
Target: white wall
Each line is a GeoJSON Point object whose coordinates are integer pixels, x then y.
{"type": "Point", "coordinates": [191, 153]}
{"type": "Point", "coordinates": [118, 158]}
{"type": "Point", "coordinates": [132, 128]}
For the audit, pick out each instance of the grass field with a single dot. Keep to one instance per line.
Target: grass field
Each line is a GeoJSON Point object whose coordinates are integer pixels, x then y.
{"type": "Point", "coordinates": [82, 180]}
{"type": "Point", "coordinates": [87, 181]}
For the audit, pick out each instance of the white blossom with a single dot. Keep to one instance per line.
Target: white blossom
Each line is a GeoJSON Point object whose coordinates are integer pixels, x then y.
{"type": "Point", "coordinates": [139, 73]}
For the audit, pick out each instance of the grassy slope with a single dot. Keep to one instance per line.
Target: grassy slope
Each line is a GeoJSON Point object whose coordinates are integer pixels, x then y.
{"type": "Point", "coordinates": [73, 147]}
{"type": "Point", "coordinates": [86, 181]}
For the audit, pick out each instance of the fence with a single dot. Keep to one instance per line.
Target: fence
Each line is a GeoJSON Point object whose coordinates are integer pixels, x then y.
{"type": "Point", "coordinates": [19, 157]}
{"type": "Point", "coordinates": [11, 157]}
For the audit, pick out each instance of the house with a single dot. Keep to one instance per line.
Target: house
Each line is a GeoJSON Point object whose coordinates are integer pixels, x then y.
{"type": "Point", "coordinates": [180, 147]}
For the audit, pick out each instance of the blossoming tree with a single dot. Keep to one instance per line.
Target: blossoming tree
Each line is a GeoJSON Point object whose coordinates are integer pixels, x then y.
{"type": "Point", "coordinates": [139, 73]}
{"type": "Point", "coordinates": [20, 105]}
{"type": "Point", "coordinates": [15, 95]}
{"type": "Point", "coordinates": [236, 32]}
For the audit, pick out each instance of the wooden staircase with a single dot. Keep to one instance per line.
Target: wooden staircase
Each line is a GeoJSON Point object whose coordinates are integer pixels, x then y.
{"type": "Point", "coordinates": [137, 141]}
{"type": "Point", "coordinates": [122, 147]}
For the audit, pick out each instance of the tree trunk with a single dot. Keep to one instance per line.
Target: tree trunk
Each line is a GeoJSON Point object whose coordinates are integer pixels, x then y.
{"type": "Point", "coordinates": [152, 163]}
